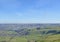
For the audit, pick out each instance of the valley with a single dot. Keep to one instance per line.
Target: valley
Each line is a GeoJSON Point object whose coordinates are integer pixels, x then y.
{"type": "Point", "coordinates": [29, 32]}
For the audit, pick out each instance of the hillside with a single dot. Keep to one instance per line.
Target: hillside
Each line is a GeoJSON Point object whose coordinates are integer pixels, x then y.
{"type": "Point", "coordinates": [30, 33]}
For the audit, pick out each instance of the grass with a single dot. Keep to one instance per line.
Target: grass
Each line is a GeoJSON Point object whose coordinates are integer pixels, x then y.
{"type": "Point", "coordinates": [34, 36]}
{"type": "Point", "coordinates": [49, 38]}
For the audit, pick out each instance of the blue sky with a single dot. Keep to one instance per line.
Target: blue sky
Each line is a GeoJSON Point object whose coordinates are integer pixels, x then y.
{"type": "Point", "coordinates": [29, 11]}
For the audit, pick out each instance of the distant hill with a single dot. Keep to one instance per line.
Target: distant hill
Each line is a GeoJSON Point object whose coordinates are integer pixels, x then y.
{"type": "Point", "coordinates": [18, 26]}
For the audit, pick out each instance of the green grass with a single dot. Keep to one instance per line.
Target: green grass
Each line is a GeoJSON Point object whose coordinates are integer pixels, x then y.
{"type": "Point", "coordinates": [34, 35]}
{"type": "Point", "coordinates": [50, 38]}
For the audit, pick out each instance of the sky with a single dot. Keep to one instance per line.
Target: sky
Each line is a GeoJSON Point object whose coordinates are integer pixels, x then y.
{"type": "Point", "coordinates": [29, 11]}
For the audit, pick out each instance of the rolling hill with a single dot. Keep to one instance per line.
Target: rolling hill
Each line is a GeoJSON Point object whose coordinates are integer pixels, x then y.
{"type": "Point", "coordinates": [29, 32]}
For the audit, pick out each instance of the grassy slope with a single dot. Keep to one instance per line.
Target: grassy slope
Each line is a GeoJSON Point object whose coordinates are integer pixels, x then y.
{"type": "Point", "coordinates": [34, 36]}
{"type": "Point", "coordinates": [51, 38]}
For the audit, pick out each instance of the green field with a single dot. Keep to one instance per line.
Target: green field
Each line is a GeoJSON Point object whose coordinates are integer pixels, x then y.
{"type": "Point", "coordinates": [49, 34]}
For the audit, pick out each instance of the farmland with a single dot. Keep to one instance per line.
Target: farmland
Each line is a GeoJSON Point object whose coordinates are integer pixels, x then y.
{"type": "Point", "coordinates": [29, 32]}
